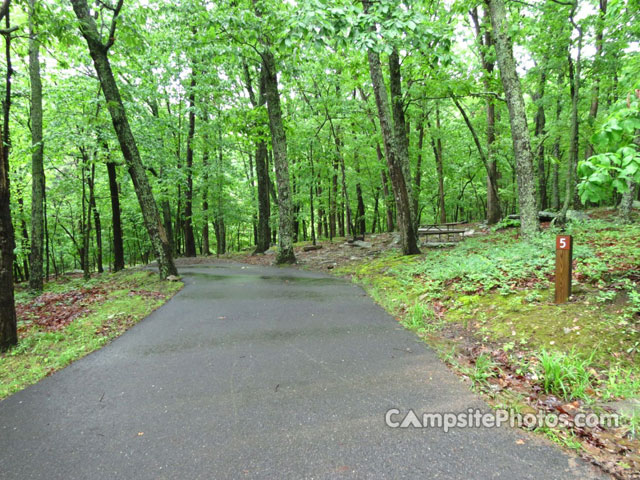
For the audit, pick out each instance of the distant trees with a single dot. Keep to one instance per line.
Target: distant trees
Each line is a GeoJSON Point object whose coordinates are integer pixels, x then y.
{"type": "Point", "coordinates": [260, 123]}
{"type": "Point", "coordinates": [98, 51]}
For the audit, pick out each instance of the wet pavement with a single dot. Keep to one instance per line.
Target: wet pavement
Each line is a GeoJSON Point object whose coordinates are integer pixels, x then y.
{"type": "Point", "coordinates": [258, 372]}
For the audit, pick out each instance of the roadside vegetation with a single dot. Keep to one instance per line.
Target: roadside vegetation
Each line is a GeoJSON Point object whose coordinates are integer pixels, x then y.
{"type": "Point", "coordinates": [487, 306]}
{"type": "Point", "coordinates": [73, 317]}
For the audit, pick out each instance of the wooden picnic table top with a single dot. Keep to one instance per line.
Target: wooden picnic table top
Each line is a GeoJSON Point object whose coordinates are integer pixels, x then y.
{"type": "Point", "coordinates": [430, 231]}
{"type": "Point", "coordinates": [437, 225]}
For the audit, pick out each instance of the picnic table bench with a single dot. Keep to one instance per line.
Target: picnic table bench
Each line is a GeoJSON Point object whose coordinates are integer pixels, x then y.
{"type": "Point", "coordinates": [439, 229]}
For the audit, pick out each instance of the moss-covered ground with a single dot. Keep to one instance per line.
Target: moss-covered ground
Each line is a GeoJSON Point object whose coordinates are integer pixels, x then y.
{"type": "Point", "coordinates": [487, 306]}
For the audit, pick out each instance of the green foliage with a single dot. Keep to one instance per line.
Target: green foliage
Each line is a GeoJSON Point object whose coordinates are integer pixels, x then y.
{"type": "Point", "coordinates": [566, 375]}
{"type": "Point", "coordinates": [619, 162]}
{"type": "Point", "coordinates": [620, 383]}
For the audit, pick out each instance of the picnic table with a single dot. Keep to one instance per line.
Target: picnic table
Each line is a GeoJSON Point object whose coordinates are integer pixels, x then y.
{"type": "Point", "coordinates": [448, 229]}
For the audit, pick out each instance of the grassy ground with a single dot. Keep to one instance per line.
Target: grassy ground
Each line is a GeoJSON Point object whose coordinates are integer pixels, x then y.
{"type": "Point", "coordinates": [487, 307]}
{"type": "Point", "coordinates": [74, 317]}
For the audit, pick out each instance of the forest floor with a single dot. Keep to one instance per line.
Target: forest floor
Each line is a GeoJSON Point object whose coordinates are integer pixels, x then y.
{"type": "Point", "coordinates": [486, 305]}
{"type": "Point", "coordinates": [74, 317]}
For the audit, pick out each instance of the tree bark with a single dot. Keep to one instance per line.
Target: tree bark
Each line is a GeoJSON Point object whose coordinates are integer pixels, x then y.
{"type": "Point", "coordinates": [279, 146]}
{"type": "Point", "coordinates": [98, 52]}
{"type": "Point", "coordinates": [189, 238]}
{"type": "Point", "coordinates": [263, 233]}
{"type": "Point", "coordinates": [206, 247]}
{"type": "Point", "coordinates": [540, 122]}
{"type": "Point", "coordinates": [96, 219]}
{"type": "Point", "coordinates": [530, 224]}
{"type": "Point", "coordinates": [37, 158]}
{"type": "Point", "coordinates": [400, 125]}
{"type": "Point", "coordinates": [116, 223]}
{"type": "Point", "coordinates": [570, 186]}
{"type": "Point", "coordinates": [485, 42]}
{"type": "Point", "coordinates": [408, 237]}
{"type": "Point", "coordinates": [8, 320]}
{"type": "Point", "coordinates": [436, 146]}
{"type": "Point", "coordinates": [417, 182]}
{"type": "Point", "coordinates": [626, 205]}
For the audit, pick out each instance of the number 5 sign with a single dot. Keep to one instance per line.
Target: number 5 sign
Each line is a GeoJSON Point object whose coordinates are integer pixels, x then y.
{"type": "Point", "coordinates": [564, 262]}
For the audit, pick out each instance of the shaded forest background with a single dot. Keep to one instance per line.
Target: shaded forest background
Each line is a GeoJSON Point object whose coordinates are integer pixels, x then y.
{"type": "Point", "coordinates": [135, 131]}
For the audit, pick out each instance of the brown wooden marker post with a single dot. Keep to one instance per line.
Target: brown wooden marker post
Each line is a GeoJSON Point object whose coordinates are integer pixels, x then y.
{"type": "Point", "coordinates": [564, 262]}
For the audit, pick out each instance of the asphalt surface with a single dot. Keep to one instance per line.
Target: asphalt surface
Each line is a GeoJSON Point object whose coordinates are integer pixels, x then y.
{"type": "Point", "coordinates": [253, 372]}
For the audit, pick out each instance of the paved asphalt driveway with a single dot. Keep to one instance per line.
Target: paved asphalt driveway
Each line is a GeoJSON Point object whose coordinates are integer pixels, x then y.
{"type": "Point", "coordinates": [253, 372]}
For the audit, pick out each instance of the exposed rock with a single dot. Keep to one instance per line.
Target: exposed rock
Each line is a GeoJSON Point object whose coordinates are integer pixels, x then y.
{"type": "Point", "coordinates": [545, 216]}
{"type": "Point", "coordinates": [361, 244]}
{"type": "Point", "coordinates": [576, 216]}
{"type": "Point", "coordinates": [173, 278]}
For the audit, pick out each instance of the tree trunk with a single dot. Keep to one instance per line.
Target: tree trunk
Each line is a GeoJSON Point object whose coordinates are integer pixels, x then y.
{"type": "Point", "coordinates": [189, 238]}
{"type": "Point", "coordinates": [37, 158]}
{"type": "Point", "coordinates": [96, 219]}
{"type": "Point", "coordinates": [118, 248]}
{"type": "Point", "coordinates": [8, 321]}
{"type": "Point", "coordinates": [130, 152]}
{"type": "Point", "coordinates": [206, 248]}
{"type": "Point", "coordinates": [570, 186]}
{"type": "Point", "coordinates": [436, 145]}
{"type": "Point", "coordinates": [400, 125]}
{"type": "Point", "coordinates": [388, 199]}
{"type": "Point", "coordinates": [540, 122]}
{"type": "Point", "coordinates": [517, 118]}
{"type": "Point", "coordinates": [417, 188]}
{"type": "Point", "coordinates": [279, 146]}
{"type": "Point", "coordinates": [626, 205]}
{"type": "Point", "coordinates": [398, 182]}
{"type": "Point", "coordinates": [263, 231]}
{"type": "Point", "coordinates": [25, 237]}
{"type": "Point", "coordinates": [485, 41]}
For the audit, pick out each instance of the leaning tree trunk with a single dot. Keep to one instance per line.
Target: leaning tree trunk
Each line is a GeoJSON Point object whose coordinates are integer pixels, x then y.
{"type": "Point", "coordinates": [37, 156]}
{"type": "Point", "coordinates": [153, 223]}
{"type": "Point", "coordinates": [398, 182]}
{"type": "Point", "coordinates": [517, 117]}
{"type": "Point", "coordinates": [279, 145]}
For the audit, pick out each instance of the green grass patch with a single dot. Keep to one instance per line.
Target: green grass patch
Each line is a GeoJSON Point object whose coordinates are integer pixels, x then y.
{"type": "Point", "coordinates": [132, 295]}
